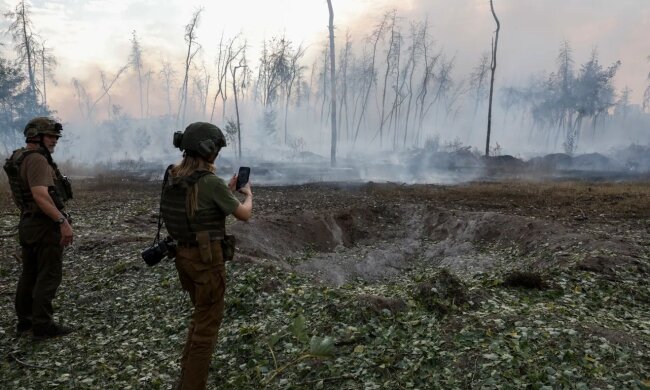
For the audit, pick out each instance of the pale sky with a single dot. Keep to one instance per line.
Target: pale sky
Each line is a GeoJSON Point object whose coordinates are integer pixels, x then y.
{"type": "Point", "coordinates": [91, 35]}
{"type": "Point", "coordinates": [85, 33]}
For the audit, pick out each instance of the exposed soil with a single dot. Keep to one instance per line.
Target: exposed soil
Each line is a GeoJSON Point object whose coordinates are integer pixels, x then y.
{"type": "Point", "coordinates": [338, 232]}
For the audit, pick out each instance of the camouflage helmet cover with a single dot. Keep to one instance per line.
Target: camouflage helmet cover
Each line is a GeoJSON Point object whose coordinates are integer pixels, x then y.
{"type": "Point", "coordinates": [42, 125]}
{"type": "Point", "coordinates": [203, 138]}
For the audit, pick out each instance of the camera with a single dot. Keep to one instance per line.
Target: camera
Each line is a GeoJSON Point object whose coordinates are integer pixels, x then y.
{"type": "Point", "coordinates": [155, 253]}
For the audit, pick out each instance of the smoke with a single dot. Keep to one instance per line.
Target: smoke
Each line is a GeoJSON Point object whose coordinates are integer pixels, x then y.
{"type": "Point", "coordinates": [106, 127]}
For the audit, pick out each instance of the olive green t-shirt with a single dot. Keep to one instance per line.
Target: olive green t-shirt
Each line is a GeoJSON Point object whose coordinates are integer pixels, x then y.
{"type": "Point", "coordinates": [36, 171]}
{"type": "Point", "coordinates": [213, 191]}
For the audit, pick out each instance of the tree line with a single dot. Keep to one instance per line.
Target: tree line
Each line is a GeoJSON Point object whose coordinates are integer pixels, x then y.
{"type": "Point", "coordinates": [392, 87]}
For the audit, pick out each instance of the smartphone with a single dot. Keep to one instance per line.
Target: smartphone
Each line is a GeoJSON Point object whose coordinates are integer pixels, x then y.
{"type": "Point", "coordinates": [242, 177]}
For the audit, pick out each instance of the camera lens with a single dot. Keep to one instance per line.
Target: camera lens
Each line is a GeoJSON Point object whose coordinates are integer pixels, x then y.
{"type": "Point", "coordinates": [152, 255]}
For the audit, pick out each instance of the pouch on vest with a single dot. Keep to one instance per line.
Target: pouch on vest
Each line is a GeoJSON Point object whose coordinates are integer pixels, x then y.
{"type": "Point", "coordinates": [203, 238]}
{"type": "Point", "coordinates": [228, 247]}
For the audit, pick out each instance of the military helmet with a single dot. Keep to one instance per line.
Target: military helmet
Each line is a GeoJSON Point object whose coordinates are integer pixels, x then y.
{"type": "Point", "coordinates": [202, 138]}
{"type": "Point", "coordinates": [42, 125]}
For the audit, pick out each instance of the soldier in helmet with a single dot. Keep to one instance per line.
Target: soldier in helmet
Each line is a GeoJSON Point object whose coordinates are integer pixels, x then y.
{"type": "Point", "coordinates": [40, 192]}
{"type": "Point", "coordinates": [195, 204]}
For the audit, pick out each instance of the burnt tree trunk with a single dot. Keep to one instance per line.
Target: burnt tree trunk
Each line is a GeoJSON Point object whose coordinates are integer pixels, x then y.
{"type": "Point", "coordinates": [493, 68]}
{"type": "Point", "coordinates": [332, 84]}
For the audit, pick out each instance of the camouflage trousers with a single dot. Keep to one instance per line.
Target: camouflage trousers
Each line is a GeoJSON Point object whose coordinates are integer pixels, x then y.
{"type": "Point", "coordinates": [206, 284]}
{"type": "Point", "coordinates": [41, 274]}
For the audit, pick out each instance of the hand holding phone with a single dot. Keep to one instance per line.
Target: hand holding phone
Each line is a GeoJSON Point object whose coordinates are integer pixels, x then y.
{"type": "Point", "coordinates": [242, 177]}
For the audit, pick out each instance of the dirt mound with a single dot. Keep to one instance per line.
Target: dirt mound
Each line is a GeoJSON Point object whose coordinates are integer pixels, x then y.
{"type": "Point", "coordinates": [594, 162]}
{"type": "Point", "coordinates": [375, 243]}
{"type": "Point", "coordinates": [553, 161]}
{"type": "Point", "coordinates": [377, 303]}
{"type": "Point", "coordinates": [505, 162]}
{"type": "Point", "coordinates": [442, 292]}
{"type": "Point", "coordinates": [635, 158]}
{"type": "Point", "coordinates": [531, 280]}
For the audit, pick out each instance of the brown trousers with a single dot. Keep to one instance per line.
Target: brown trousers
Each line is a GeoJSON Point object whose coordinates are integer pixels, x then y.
{"type": "Point", "coordinates": [206, 284]}
{"type": "Point", "coordinates": [41, 274]}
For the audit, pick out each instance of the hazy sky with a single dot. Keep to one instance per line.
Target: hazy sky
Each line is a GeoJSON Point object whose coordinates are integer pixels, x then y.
{"type": "Point", "coordinates": [91, 35]}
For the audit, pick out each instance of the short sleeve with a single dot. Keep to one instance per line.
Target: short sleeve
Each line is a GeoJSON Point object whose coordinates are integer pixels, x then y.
{"type": "Point", "coordinates": [37, 171]}
{"type": "Point", "coordinates": [213, 191]}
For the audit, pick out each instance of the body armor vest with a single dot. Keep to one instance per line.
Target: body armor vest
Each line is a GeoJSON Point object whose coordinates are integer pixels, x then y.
{"type": "Point", "coordinates": [180, 225]}
{"type": "Point", "coordinates": [60, 192]}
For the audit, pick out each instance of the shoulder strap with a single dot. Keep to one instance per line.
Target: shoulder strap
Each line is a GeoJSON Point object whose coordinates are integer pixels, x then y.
{"type": "Point", "coordinates": [165, 179]}
{"type": "Point", "coordinates": [195, 177]}
{"type": "Point", "coordinates": [24, 153]}
{"type": "Point", "coordinates": [43, 152]}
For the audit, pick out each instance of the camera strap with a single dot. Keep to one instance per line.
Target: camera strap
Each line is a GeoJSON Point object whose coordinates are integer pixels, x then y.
{"type": "Point", "coordinates": [165, 178]}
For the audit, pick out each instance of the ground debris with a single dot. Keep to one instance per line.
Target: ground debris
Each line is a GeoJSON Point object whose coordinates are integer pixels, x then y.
{"type": "Point", "coordinates": [402, 284]}
{"type": "Point", "coordinates": [525, 280]}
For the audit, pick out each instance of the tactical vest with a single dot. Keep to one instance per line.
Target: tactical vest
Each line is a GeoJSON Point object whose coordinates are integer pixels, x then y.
{"type": "Point", "coordinates": [180, 225]}
{"type": "Point", "coordinates": [60, 192]}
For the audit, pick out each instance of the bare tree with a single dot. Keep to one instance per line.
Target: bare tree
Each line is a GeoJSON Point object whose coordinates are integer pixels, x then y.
{"type": "Point", "coordinates": [201, 83]}
{"type": "Point", "coordinates": [192, 49]}
{"type": "Point", "coordinates": [235, 87]}
{"type": "Point", "coordinates": [478, 79]}
{"type": "Point", "coordinates": [86, 104]}
{"type": "Point", "coordinates": [48, 63]}
{"type": "Point", "coordinates": [226, 54]}
{"type": "Point", "coordinates": [444, 84]}
{"type": "Point", "coordinates": [332, 82]}
{"type": "Point", "coordinates": [274, 75]}
{"type": "Point", "coordinates": [414, 49]}
{"type": "Point", "coordinates": [83, 99]}
{"type": "Point", "coordinates": [323, 78]}
{"type": "Point", "coordinates": [623, 103]}
{"type": "Point", "coordinates": [565, 83]}
{"type": "Point", "coordinates": [147, 79]}
{"type": "Point", "coordinates": [398, 85]}
{"type": "Point", "coordinates": [167, 73]}
{"type": "Point", "coordinates": [428, 76]}
{"type": "Point", "coordinates": [370, 71]}
{"type": "Point", "coordinates": [493, 68]}
{"type": "Point", "coordinates": [135, 61]}
{"type": "Point", "coordinates": [646, 94]}
{"type": "Point", "coordinates": [295, 72]}
{"type": "Point", "coordinates": [391, 16]}
{"type": "Point", "coordinates": [274, 69]}
{"type": "Point", "coordinates": [106, 88]}
{"type": "Point", "coordinates": [107, 84]}
{"type": "Point", "coordinates": [344, 60]}
{"type": "Point", "coordinates": [25, 43]}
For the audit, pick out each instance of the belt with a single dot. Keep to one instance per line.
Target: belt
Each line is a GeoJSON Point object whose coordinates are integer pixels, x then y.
{"type": "Point", "coordinates": [187, 244]}
{"type": "Point", "coordinates": [193, 244]}
{"type": "Point", "coordinates": [28, 214]}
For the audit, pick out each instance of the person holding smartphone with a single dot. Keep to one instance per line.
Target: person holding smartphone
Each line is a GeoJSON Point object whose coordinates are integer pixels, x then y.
{"type": "Point", "coordinates": [194, 204]}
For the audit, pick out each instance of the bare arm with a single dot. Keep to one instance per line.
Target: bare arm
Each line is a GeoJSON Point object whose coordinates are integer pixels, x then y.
{"type": "Point", "coordinates": [244, 211]}
{"type": "Point", "coordinates": [46, 204]}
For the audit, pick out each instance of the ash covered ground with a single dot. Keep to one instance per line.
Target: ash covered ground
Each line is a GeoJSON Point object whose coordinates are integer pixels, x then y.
{"type": "Point", "coordinates": [493, 284]}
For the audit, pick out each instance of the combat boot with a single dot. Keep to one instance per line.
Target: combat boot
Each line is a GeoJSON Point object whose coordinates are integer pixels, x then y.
{"type": "Point", "coordinates": [23, 327]}
{"type": "Point", "coordinates": [50, 331]}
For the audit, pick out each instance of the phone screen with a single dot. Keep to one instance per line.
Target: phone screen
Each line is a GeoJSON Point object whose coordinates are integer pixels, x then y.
{"type": "Point", "coordinates": [242, 176]}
